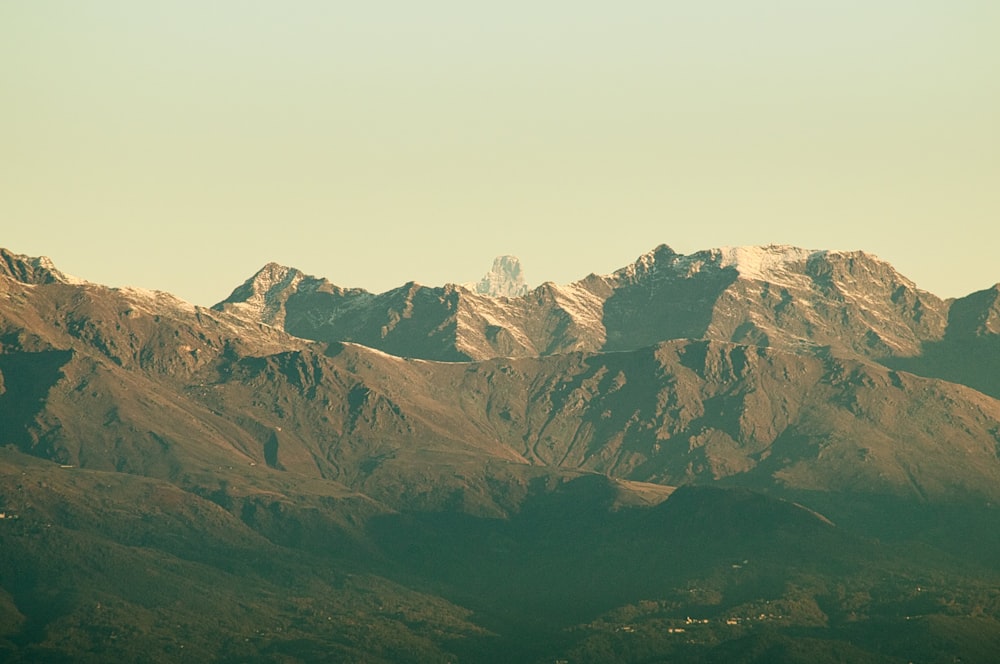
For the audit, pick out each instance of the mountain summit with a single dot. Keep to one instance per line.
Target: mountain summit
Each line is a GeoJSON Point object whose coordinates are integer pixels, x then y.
{"type": "Point", "coordinates": [32, 270]}
{"type": "Point", "coordinates": [505, 279]}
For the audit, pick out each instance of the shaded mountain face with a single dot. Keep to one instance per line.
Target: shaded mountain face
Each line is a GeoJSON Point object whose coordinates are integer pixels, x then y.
{"type": "Point", "coordinates": [521, 496]}
{"type": "Point", "coordinates": [969, 353]}
{"type": "Point", "coordinates": [775, 296]}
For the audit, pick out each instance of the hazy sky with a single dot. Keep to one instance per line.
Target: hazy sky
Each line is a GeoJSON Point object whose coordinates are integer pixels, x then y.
{"type": "Point", "coordinates": [181, 145]}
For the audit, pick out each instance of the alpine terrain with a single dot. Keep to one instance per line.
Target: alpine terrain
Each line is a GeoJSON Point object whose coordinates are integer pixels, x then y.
{"type": "Point", "coordinates": [746, 454]}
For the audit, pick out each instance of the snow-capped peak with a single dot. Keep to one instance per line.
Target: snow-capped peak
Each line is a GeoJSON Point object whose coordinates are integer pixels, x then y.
{"type": "Point", "coordinates": [262, 295]}
{"type": "Point", "coordinates": [271, 275]}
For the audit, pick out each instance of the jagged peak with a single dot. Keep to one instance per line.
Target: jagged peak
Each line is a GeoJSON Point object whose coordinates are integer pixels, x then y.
{"type": "Point", "coordinates": [659, 254]}
{"type": "Point", "coordinates": [505, 279]}
{"type": "Point", "coordinates": [646, 264]}
{"type": "Point", "coordinates": [271, 277]}
{"type": "Point", "coordinates": [33, 270]}
{"type": "Point", "coordinates": [262, 294]}
{"type": "Point", "coordinates": [272, 273]}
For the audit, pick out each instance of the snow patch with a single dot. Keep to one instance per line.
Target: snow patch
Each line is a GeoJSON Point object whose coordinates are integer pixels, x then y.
{"type": "Point", "coordinates": [154, 299]}
{"type": "Point", "coordinates": [763, 262]}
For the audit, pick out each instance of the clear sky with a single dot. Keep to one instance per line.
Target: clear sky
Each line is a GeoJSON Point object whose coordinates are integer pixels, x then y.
{"type": "Point", "coordinates": [181, 145]}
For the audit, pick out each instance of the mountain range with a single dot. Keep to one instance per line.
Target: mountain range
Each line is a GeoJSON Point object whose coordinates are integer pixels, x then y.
{"type": "Point", "coordinates": [485, 472]}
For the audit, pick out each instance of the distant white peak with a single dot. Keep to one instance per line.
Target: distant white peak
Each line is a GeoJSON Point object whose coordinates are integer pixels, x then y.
{"type": "Point", "coordinates": [505, 279]}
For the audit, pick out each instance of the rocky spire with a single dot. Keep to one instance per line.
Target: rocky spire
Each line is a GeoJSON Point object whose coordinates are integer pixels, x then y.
{"type": "Point", "coordinates": [505, 279]}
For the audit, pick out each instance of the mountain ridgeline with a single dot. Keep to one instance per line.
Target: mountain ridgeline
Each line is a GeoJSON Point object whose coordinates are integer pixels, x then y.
{"type": "Point", "coordinates": [758, 454]}
{"type": "Point", "coordinates": [776, 296]}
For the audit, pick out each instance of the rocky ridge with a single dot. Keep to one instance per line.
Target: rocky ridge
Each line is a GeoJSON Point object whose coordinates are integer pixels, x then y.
{"type": "Point", "coordinates": [670, 410]}
{"type": "Point", "coordinates": [776, 296]}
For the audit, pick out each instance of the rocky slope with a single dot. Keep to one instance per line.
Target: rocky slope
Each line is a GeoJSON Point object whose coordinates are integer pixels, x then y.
{"type": "Point", "coordinates": [118, 379]}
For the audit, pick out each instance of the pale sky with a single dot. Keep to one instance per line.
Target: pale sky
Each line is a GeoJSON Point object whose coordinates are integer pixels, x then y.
{"type": "Point", "coordinates": [181, 145]}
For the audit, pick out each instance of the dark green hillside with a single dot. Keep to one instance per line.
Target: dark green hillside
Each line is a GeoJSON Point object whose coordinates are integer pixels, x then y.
{"type": "Point", "coordinates": [99, 567]}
